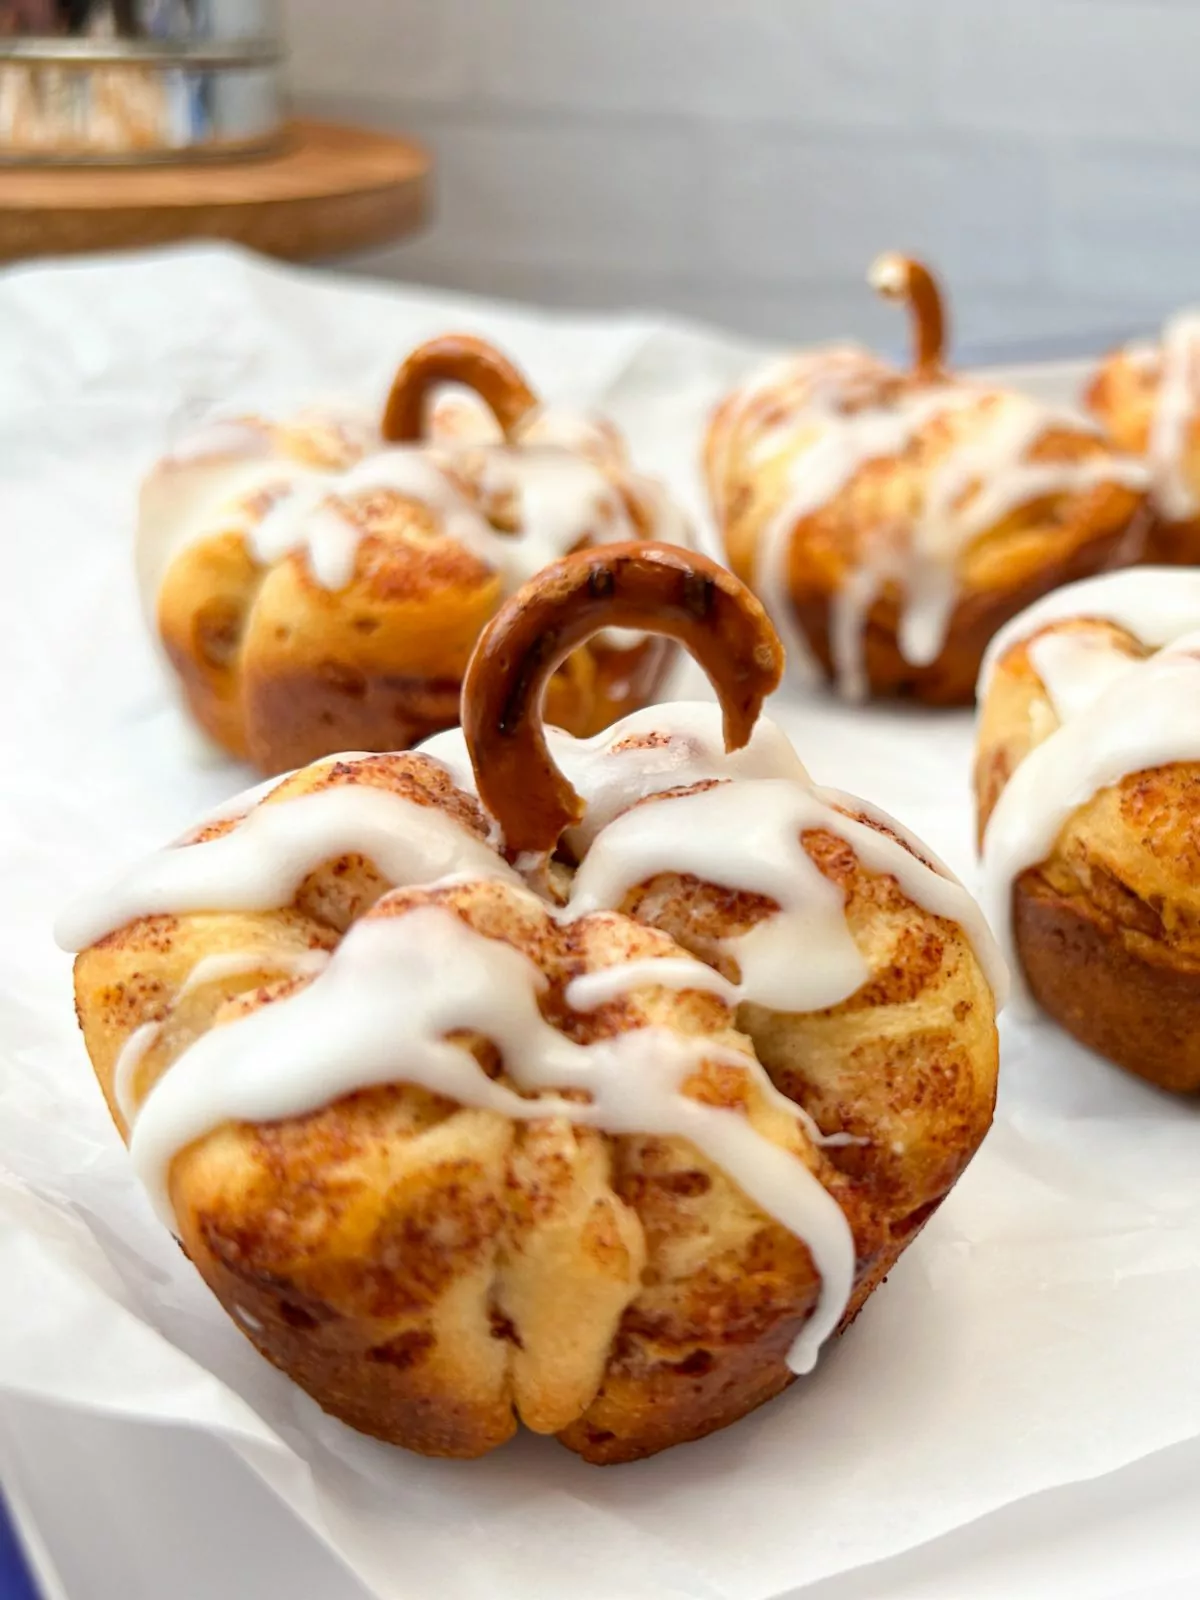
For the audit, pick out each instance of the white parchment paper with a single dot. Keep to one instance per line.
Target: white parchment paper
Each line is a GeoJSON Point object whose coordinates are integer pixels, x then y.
{"type": "Point", "coordinates": [1041, 1332]}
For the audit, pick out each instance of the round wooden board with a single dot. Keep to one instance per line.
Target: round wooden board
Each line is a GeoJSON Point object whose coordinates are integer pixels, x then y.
{"type": "Point", "coordinates": [329, 189]}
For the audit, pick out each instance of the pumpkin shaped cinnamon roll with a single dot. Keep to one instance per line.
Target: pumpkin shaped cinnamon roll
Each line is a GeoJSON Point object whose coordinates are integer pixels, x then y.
{"type": "Point", "coordinates": [1147, 397]}
{"type": "Point", "coordinates": [891, 521]}
{"type": "Point", "coordinates": [590, 1085]}
{"type": "Point", "coordinates": [320, 584]}
{"type": "Point", "coordinates": [1087, 777]}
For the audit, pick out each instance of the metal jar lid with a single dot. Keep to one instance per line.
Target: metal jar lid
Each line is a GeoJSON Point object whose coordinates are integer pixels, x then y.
{"type": "Point", "coordinates": [138, 80]}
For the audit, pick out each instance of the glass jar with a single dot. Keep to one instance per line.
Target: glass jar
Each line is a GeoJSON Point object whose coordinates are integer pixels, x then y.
{"type": "Point", "coordinates": [138, 80]}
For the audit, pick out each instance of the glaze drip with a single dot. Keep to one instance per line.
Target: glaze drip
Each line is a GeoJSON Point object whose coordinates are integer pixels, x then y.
{"type": "Point", "coordinates": [1117, 711]}
{"type": "Point", "coordinates": [827, 416]}
{"type": "Point", "coordinates": [253, 480]}
{"type": "Point", "coordinates": [404, 977]}
{"type": "Point", "coordinates": [1176, 405]}
{"type": "Point", "coordinates": [380, 1012]}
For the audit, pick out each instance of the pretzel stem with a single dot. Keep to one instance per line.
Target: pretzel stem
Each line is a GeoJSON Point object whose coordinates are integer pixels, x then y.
{"type": "Point", "coordinates": [898, 277]}
{"type": "Point", "coordinates": [455, 358]}
{"type": "Point", "coordinates": [660, 588]}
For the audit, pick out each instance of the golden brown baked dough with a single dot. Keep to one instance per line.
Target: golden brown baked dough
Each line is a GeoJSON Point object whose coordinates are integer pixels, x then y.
{"type": "Point", "coordinates": [893, 521]}
{"type": "Point", "coordinates": [435, 1272]}
{"type": "Point", "coordinates": [319, 585]}
{"type": "Point", "coordinates": [1104, 913]}
{"type": "Point", "coordinates": [1147, 397]}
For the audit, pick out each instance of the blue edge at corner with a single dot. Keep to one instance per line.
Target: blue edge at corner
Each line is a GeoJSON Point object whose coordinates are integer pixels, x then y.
{"type": "Point", "coordinates": [16, 1580]}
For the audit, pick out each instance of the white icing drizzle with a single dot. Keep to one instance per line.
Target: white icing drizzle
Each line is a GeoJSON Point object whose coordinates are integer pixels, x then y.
{"type": "Point", "coordinates": [659, 748]}
{"type": "Point", "coordinates": [185, 501]}
{"type": "Point", "coordinates": [656, 748]}
{"type": "Point", "coordinates": [984, 476]}
{"type": "Point", "coordinates": [246, 799]}
{"type": "Point", "coordinates": [249, 958]}
{"type": "Point", "coordinates": [132, 1053]}
{"type": "Point", "coordinates": [198, 486]}
{"type": "Point", "coordinates": [379, 1014]}
{"type": "Point", "coordinates": [1144, 355]}
{"type": "Point", "coordinates": [564, 498]}
{"type": "Point", "coordinates": [378, 1010]}
{"type": "Point", "coordinates": [210, 969]}
{"type": "Point", "coordinates": [1155, 604]}
{"type": "Point", "coordinates": [312, 516]}
{"type": "Point", "coordinates": [1176, 404]}
{"type": "Point", "coordinates": [355, 427]}
{"type": "Point", "coordinates": [848, 612]}
{"type": "Point", "coordinates": [261, 862]}
{"type": "Point", "coordinates": [995, 459]}
{"type": "Point", "coordinates": [1118, 714]}
{"type": "Point", "coordinates": [800, 395]}
{"type": "Point", "coordinates": [449, 750]}
{"type": "Point", "coordinates": [570, 430]}
{"type": "Point", "coordinates": [462, 417]}
{"type": "Point", "coordinates": [351, 427]}
{"type": "Point", "coordinates": [591, 990]}
{"type": "Point", "coordinates": [791, 390]}
{"type": "Point", "coordinates": [744, 836]}
{"type": "Point", "coordinates": [845, 441]}
{"type": "Point", "coordinates": [923, 876]}
{"type": "Point", "coordinates": [310, 513]}
{"type": "Point", "coordinates": [1077, 667]}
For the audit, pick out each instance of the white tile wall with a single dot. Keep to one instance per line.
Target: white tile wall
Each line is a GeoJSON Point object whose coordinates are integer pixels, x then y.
{"type": "Point", "coordinates": [407, 51]}
{"type": "Point", "coordinates": [742, 160]}
{"type": "Point", "coordinates": [1071, 69]}
{"type": "Point", "coordinates": [725, 60]}
{"type": "Point", "coordinates": [818, 208]}
{"type": "Point", "coordinates": [1126, 222]}
{"type": "Point", "coordinates": [578, 194]}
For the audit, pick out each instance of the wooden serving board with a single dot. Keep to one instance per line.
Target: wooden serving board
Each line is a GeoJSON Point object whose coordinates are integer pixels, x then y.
{"type": "Point", "coordinates": [327, 190]}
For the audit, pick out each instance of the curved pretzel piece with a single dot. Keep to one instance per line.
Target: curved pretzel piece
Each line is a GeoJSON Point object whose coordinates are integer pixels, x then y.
{"type": "Point", "coordinates": [455, 358]}
{"type": "Point", "coordinates": [898, 277]}
{"type": "Point", "coordinates": [657, 587]}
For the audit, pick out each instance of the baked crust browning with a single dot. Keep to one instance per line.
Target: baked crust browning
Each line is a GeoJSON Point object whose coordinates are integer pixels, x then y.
{"type": "Point", "coordinates": [1132, 999]}
{"type": "Point", "coordinates": [1123, 395]}
{"type": "Point", "coordinates": [281, 667]}
{"type": "Point", "coordinates": [436, 1271]}
{"type": "Point", "coordinates": [1107, 926]}
{"type": "Point", "coordinates": [826, 480]}
{"type": "Point", "coordinates": [1010, 586]}
{"type": "Point", "coordinates": [431, 1273]}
